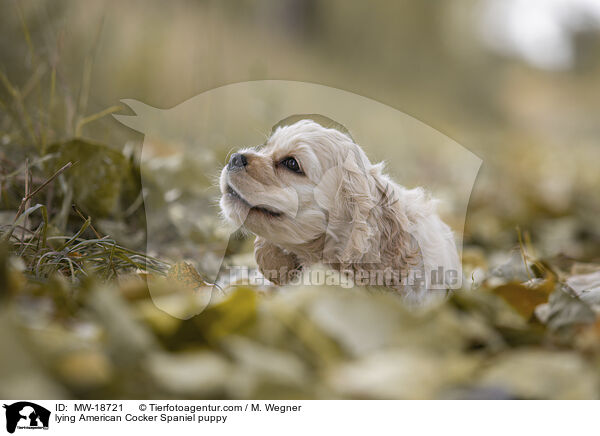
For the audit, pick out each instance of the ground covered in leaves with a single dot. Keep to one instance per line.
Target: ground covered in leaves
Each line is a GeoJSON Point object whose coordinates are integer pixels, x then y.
{"type": "Point", "coordinates": [512, 337]}
{"type": "Point", "coordinates": [77, 319]}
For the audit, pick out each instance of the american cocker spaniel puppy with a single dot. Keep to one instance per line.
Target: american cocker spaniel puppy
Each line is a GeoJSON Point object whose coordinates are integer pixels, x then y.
{"type": "Point", "coordinates": [311, 195]}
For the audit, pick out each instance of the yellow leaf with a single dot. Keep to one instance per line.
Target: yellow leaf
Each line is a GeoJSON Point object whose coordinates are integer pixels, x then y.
{"type": "Point", "coordinates": [186, 275]}
{"type": "Point", "coordinates": [525, 297]}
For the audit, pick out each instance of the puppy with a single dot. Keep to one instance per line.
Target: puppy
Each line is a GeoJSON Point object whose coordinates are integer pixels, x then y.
{"type": "Point", "coordinates": [311, 195]}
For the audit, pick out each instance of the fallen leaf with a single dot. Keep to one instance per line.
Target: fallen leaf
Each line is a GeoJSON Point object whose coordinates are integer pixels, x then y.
{"type": "Point", "coordinates": [186, 275]}
{"type": "Point", "coordinates": [563, 310]}
{"type": "Point", "coordinates": [525, 297]}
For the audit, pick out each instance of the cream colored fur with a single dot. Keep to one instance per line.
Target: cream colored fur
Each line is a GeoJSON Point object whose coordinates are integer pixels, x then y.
{"type": "Point", "coordinates": [343, 212]}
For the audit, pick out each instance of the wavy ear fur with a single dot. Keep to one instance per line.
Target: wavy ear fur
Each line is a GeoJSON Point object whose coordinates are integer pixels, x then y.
{"type": "Point", "coordinates": [415, 239]}
{"type": "Point", "coordinates": [367, 226]}
{"type": "Point", "coordinates": [398, 246]}
{"type": "Point", "coordinates": [348, 195]}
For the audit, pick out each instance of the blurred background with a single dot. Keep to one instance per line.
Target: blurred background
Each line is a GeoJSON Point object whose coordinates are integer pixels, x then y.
{"type": "Point", "coordinates": [517, 82]}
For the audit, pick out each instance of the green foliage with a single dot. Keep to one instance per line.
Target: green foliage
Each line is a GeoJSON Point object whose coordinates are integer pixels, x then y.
{"type": "Point", "coordinates": [99, 175]}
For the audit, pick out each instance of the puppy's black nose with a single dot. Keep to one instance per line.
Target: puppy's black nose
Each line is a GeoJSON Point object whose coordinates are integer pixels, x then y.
{"type": "Point", "coordinates": [237, 161]}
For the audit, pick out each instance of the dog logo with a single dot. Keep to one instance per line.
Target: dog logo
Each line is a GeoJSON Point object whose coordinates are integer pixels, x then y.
{"type": "Point", "coordinates": [26, 415]}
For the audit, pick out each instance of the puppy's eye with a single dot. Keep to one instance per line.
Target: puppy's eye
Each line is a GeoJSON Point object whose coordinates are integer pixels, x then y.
{"type": "Point", "coordinates": [291, 164]}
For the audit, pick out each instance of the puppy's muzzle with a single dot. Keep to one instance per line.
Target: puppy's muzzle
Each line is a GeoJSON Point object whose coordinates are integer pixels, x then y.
{"type": "Point", "coordinates": [237, 162]}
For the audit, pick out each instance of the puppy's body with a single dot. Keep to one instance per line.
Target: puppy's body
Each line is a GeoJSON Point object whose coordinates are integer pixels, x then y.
{"type": "Point", "coordinates": [311, 195]}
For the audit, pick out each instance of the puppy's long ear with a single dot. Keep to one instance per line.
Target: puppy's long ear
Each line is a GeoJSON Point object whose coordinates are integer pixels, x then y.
{"type": "Point", "coordinates": [276, 264]}
{"type": "Point", "coordinates": [348, 193]}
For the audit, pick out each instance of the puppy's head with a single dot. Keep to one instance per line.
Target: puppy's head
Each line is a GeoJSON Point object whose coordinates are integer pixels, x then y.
{"type": "Point", "coordinates": [305, 181]}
